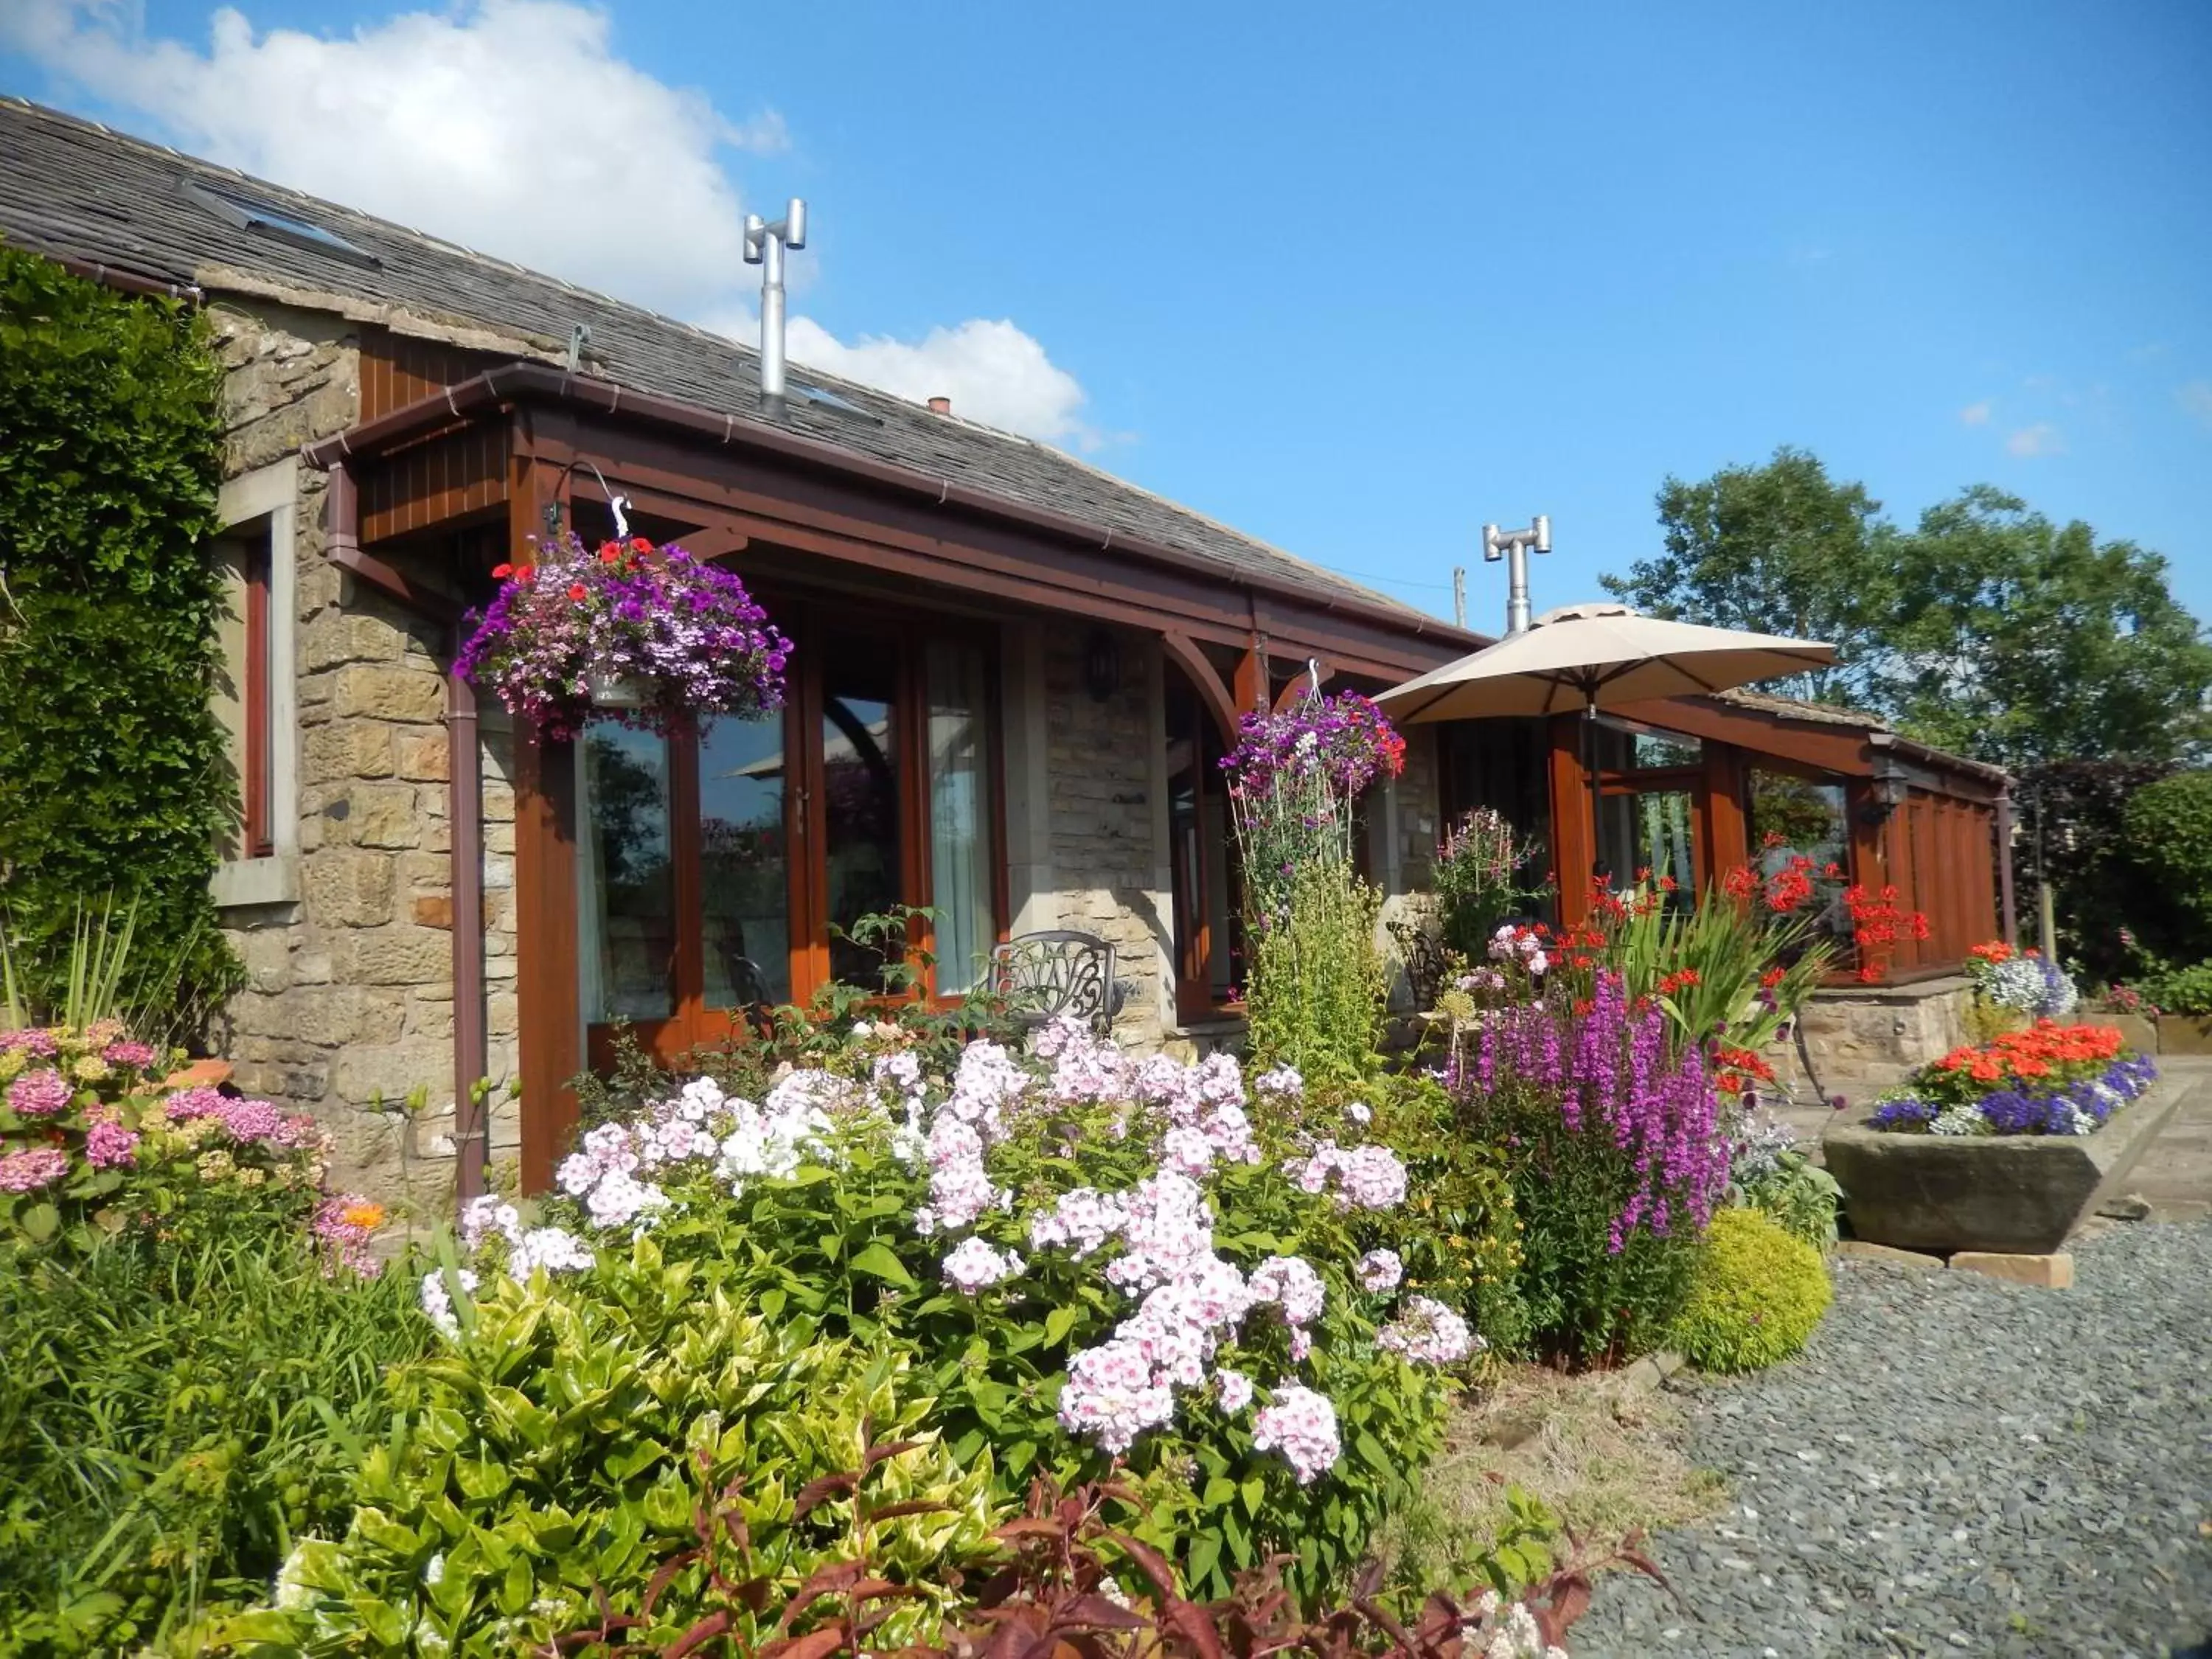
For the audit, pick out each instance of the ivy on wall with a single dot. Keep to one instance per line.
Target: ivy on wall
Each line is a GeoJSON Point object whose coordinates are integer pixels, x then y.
{"type": "Point", "coordinates": [114, 778]}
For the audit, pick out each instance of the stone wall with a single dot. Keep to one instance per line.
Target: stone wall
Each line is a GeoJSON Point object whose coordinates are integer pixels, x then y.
{"type": "Point", "coordinates": [348, 1007]}
{"type": "Point", "coordinates": [1863, 1038]}
{"type": "Point", "coordinates": [1105, 774]}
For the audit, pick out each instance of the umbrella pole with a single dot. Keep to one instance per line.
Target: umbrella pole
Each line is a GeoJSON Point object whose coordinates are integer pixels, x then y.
{"type": "Point", "coordinates": [1590, 768]}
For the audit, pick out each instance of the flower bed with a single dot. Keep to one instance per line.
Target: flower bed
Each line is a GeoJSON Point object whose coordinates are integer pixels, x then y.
{"type": "Point", "coordinates": [2003, 1145]}
{"type": "Point", "coordinates": [2049, 1079]}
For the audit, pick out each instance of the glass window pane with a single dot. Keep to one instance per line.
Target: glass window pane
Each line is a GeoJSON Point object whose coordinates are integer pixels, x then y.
{"type": "Point", "coordinates": [1649, 830]}
{"type": "Point", "coordinates": [860, 798]}
{"type": "Point", "coordinates": [961, 854]}
{"type": "Point", "coordinates": [1792, 816]}
{"type": "Point", "coordinates": [1654, 751]}
{"type": "Point", "coordinates": [744, 871]}
{"type": "Point", "coordinates": [626, 910]}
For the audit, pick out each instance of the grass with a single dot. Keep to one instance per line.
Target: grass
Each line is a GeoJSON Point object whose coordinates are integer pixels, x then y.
{"type": "Point", "coordinates": [1604, 1461]}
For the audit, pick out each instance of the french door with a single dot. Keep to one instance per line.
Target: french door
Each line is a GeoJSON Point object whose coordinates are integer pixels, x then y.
{"type": "Point", "coordinates": [721, 870]}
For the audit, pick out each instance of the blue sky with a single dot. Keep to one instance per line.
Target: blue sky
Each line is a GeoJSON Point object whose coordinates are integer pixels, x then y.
{"type": "Point", "coordinates": [1356, 279]}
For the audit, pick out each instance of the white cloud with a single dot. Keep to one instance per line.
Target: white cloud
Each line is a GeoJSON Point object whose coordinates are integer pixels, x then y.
{"type": "Point", "coordinates": [992, 371]}
{"type": "Point", "coordinates": [512, 127]}
{"type": "Point", "coordinates": [2041, 439]}
{"type": "Point", "coordinates": [1977, 414]}
{"type": "Point", "coordinates": [2195, 399]}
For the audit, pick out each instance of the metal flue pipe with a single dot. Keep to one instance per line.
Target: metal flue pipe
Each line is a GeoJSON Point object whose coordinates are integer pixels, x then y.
{"type": "Point", "coordinates": [1516, 545]}
{"type": "Point", "coordinates": [765, 244]}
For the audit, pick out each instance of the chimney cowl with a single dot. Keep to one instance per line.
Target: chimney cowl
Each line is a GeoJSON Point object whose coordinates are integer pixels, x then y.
{"type": "Point", "coordinates": [940, 405]}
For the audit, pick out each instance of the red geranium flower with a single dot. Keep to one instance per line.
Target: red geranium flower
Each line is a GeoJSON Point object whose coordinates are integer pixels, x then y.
{"type": "Point", "coordinates": [576, 592]}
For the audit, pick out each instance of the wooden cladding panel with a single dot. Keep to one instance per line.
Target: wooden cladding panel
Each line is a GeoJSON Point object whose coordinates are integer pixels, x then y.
{"type": "Point", "coordinates": [398, 369]}
{"type": "Point", "coordinates": [460, 470]}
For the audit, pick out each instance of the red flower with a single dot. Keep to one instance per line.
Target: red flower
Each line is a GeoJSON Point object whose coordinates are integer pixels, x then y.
{"type": "Point", "coordinates": [639, 544]}
{"type": "Point", "coordinates": [610, 554]}
{"type": "Point", "coordinates": [502, 572]}
{"type": "Point", "coordinates": [576, 592]}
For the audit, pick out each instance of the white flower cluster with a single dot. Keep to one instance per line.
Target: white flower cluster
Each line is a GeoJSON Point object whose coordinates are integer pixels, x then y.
{"type": "Point", "coordinates": [1365, 1177]}
{"type": "Point", "coordinates": [972, 1265]}
{"type": "Point", "coordinates": [1516, 1636]}
{"type": "Point", "coordinates": [1966, 1119]}
{"type": "Point", "coordinates": [554, 1249]}
{"type": "Point", "coordinates": [438, 1301]}
{"type": "Point", "coordinates": [1429, 1334]}
{"type": "Point", "coordinates": [1522, 944]}
{"type": "Point", "coordinates": [1380, 1271]}
{"type": "Point", "coordinates": [611, 1171]}
{"type": "Point", "coordinates": [1302, 1425]}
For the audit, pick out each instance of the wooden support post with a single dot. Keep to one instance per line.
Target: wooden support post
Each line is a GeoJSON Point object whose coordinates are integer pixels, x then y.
{"type": "Point", "coordinates": [548, 1014]}
{"type": "Point", "coordinates": [1574, 837]}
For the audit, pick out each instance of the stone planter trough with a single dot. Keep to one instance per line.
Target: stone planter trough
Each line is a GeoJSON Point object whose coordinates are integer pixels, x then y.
{"type": "Point", "coordinates": [2021, 1193]}
{"type": "Point", "coordinates": [2183, 1033]}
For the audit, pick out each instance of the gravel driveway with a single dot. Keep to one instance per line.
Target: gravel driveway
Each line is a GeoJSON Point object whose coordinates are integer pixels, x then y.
{"type": "Point", "coordinates": [1958, 1466]}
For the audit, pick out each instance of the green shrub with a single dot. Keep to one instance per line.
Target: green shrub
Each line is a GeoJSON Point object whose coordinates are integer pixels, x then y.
{"type": "Point", "coordinates": [2180, 990]}
{"type": "Point", "coordinates": [563, 1451]}
{"type": "Point", "coordinates": [170, 1418]}
{"type": "Point", "coordinates": [1798, 1196]}
{"type": "Point", "coordinates": [1479, 880]}
{"type": "Point", "coordinates": [835, 1239]}
{"type": "Point", "coordinates": [113, 773]}
{"type": "Point", "coordinates": [1756, 1295]}
{"type": "Point", "coordinates": [2169, 833]}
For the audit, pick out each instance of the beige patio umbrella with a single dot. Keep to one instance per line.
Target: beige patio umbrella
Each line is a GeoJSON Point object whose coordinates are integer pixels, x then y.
{"type": "Point", "coordinates": [1594, 656]}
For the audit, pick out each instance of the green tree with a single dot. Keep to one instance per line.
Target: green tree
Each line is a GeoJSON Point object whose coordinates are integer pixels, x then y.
{"type": "Point", "coordinates": [2023, 642]}
{"type": "Point", "coordinates": [1988, 630]}
{"type": "Point", "coordinates": [1778, 549]}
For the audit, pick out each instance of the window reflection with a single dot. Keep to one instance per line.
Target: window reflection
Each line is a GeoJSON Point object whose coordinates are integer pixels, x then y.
{"type": "Point", "coordinates": [626, 911]}
{"type": "Point", "coordinates": [860, 800]}
{"type": "Point", "coordinates": [960, 839]}
{"type": "Point", "coordinates": [1808, 819]}
{"type": "Point", "coordinates": [744, 881]}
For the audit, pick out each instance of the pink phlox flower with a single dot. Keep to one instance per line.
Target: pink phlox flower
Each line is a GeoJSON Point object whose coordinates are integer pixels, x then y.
{"type": "Point", "coordinates": [974, 1265]}
{"type": "Point", "coordinates": [1380, 1271]}
{"type": "Point", "coordinates": [1429, 1334]}
{"type": "Point", "coordinates": [1302, 1425]}
{"type": "Point", "coordinates": [1290, 1283]}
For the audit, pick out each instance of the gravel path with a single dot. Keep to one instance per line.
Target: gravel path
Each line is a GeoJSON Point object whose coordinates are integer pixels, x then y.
{"type": "Point", "coordinates": [1957, 1466]}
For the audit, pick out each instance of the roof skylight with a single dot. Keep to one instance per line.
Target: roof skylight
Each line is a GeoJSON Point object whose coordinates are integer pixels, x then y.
{"type": "Point", "coordinates": [249, 215]}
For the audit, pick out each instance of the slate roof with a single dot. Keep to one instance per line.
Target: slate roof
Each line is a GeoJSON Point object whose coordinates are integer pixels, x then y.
{"type": "Point", "coordinates": [72, 187]}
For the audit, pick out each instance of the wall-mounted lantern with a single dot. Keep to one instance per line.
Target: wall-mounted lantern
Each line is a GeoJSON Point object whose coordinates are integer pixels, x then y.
{"type": "Point", "coordinates": [1102, 665]}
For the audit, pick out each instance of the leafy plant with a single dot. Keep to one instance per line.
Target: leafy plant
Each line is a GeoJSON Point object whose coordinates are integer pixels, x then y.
{"type": "Point", "coordinates": [545, 1475]}
{"type": "Point", "coordinates": [2169, 831]}
{"type": "Point", "coordinates": [113, 768]}
{"type": "Point", "coordinates": [2181, 990]}
{"type": "Point", "coordinates": [923, 1214]}
{"type": "Point", "coordinates": [1799, 1196]}
{"type": "Point", "coordinates": [172, 1417]}
{"type": "Point", "coordinates": [1755, 1298]}
{"type": "Point", "coordinates": [1479, 880]}
{"type": "Point", "coordinates": [1612, 1147]}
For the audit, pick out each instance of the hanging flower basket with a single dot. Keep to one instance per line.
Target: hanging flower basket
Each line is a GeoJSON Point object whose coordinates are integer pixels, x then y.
{"type": "Point", "coordinates": [644, 635]}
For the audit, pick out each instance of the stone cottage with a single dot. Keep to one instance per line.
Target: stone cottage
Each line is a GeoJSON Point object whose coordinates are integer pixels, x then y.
{"type": "Point", "coordinates": [1014, 679]}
